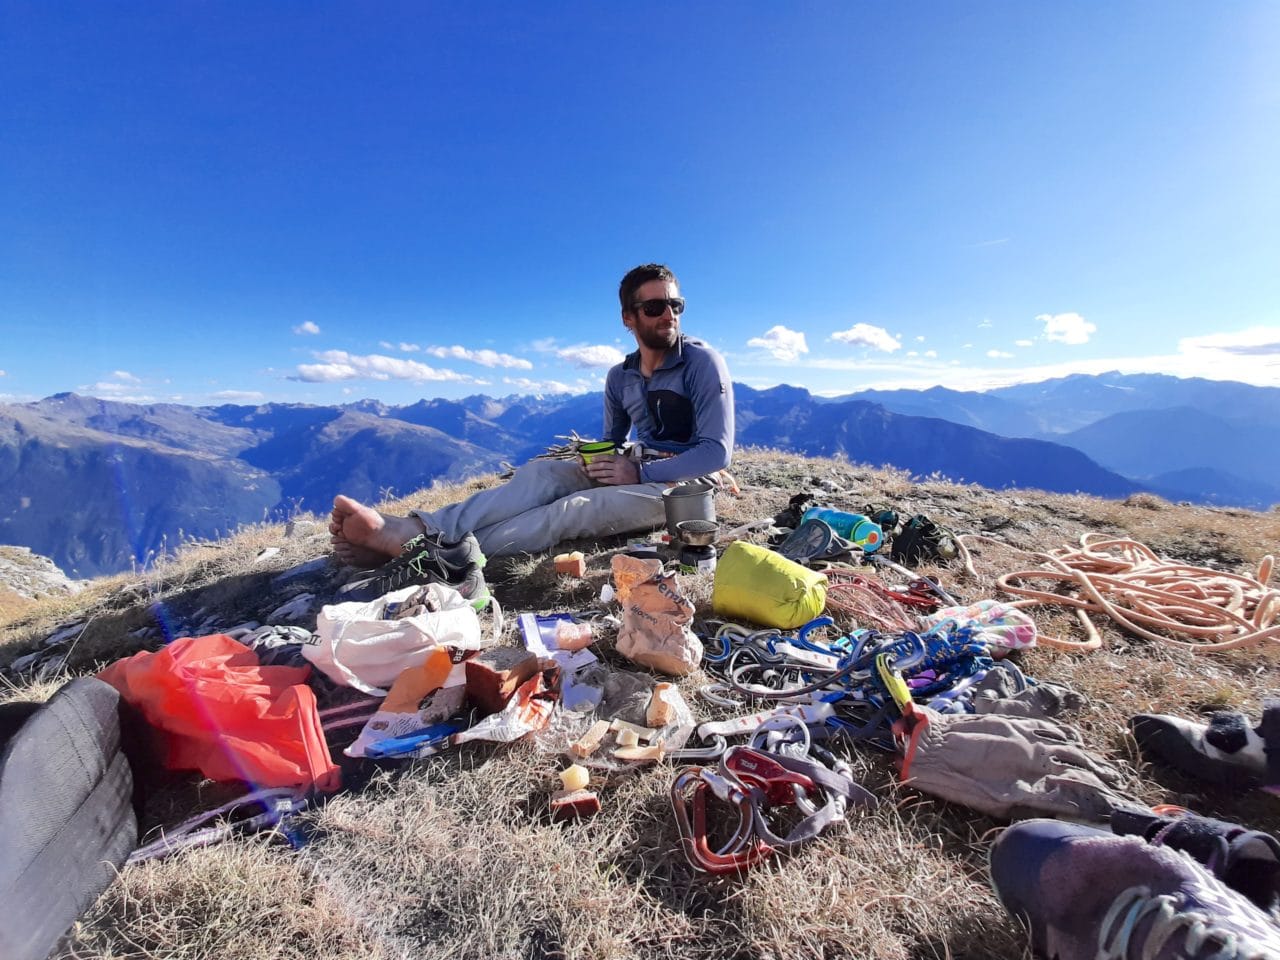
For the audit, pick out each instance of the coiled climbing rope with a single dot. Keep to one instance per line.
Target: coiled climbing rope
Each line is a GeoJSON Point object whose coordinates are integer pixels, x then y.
{"type": "Point", "coordinates": [1195, 608]}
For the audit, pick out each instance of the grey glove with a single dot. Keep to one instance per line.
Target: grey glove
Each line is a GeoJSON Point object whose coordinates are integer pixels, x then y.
{"type": "Point", "coordinates": [1007, 691]}
{"type": "Point", "coordinates": [1008, 767]}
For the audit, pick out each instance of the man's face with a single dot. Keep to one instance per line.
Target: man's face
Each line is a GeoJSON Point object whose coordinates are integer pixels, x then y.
{"type": "Point", "coordinates": [657, 333]}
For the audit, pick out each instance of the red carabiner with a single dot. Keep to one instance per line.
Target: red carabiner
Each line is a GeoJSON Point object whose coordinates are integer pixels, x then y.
{"type": "Point", "coordinates": [693, 831]}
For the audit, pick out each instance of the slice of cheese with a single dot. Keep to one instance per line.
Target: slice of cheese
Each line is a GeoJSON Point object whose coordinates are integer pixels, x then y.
{"type": "Point", "coordinates": [575, 777]}
{"type": "Point", "coordinates": [590, 741]}
{"type": "Point", "coordinates": [661, 711]}
{"type": "Point", "coordinates": [627, 738]}
{"type": "Point", "coordinates": [642, 733]}
{"type": "Point", "coordinates": [652, 752]}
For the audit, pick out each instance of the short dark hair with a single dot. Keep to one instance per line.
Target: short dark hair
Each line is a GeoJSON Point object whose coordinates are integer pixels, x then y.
{"type": "Point", "coordinates": [638, 277]}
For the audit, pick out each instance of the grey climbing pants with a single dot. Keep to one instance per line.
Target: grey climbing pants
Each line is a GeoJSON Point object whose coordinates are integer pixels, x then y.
{"type": "Point", "coordinates": [547, 501]}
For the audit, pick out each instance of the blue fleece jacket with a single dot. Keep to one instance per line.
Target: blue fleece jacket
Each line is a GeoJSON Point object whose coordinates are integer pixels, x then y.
{"type": "Point", "coordinates": [685, 408]}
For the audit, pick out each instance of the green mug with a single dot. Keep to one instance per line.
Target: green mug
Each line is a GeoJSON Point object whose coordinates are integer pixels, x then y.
{"type": "Point", "coordinates": [594, 448]}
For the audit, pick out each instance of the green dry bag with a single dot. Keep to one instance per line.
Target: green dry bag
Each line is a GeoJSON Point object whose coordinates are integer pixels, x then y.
{"type": "Point", "coordinates": [756, 584]}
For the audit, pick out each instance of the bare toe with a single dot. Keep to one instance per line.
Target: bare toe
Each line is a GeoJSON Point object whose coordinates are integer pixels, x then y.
{"type": "Point", "coordinates": [362, 536]}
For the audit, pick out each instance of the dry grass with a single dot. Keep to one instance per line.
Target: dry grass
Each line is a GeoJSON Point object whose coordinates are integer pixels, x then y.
{"type": "Point", "coordinates": [244, 899]}
{"type": "Point", "coordinates": [456, 857]}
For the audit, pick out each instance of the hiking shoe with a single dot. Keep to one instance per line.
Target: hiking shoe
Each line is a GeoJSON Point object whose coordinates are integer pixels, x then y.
{"type": "Point", "coordinates": [428, 558]}
{"type": "Point", "coordinates": [1086, 893]}
{"type": "Point", "coordinates": [1248, 861]}
{"type": "Point", "coordinates": [791, 515]}
{"type": "Point", "coordinates": [920, 540]}
{"type": "Point", "coordinates": [1226, 750]}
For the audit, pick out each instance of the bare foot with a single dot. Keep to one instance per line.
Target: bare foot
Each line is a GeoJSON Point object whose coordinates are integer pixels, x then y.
{"type": "Point", "coordinates": [363, 537]}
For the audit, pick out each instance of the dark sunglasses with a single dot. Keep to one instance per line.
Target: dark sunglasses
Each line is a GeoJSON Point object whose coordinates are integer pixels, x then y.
{"type": "Point", "coordinates": [657, 307]}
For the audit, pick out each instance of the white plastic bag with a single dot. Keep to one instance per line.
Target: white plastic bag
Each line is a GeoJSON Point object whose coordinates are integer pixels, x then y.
{"type": "Point", "coordinates": [355, 647]}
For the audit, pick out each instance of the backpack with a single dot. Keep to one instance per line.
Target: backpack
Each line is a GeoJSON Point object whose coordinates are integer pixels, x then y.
{"type": "Point", "coordinates": [921, 540]}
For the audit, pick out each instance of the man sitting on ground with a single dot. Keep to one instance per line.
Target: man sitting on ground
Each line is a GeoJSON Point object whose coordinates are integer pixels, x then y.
{"type": "Point", "coordinates": [674, 390]}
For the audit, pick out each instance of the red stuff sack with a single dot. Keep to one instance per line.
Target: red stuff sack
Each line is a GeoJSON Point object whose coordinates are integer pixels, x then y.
{"type": "Point", "coordinates": [217, 710]}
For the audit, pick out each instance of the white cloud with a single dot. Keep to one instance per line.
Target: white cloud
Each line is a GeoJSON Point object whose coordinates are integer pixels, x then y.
{"type": "Point", "coordinates": [325, 372]}
{"type": "Point", "coordinates": [999, 355]}
{"type": "Point", "coordinates": [112, 390]}
{"type": "Point", "coordinates": [920, 338]}
{"type": "Point", "coordinates": [784, 344]}
{"type": "Point", "coordinates": [109, 387]}
{"type": "Point", "coordinates": [486, 358]}
{"type": "Point", "coordinates": [866, 335]}
{"type": "Point", "coordinates": [125, 376]}
{"type": "Point", "coordinates": [540, 386]}
{"type": "Point", "coordinates": [985, 323]}
{"type": "Point", "coordinates": [239, 396]}
{"type": "Point", "coordinates": [4, 373]}
{"type": "Point", "coordinates": [337, 365]}
{"type": "Point", "coordinates": [1253, 342]}
{"type": "Point", "coordinates": [1248, 356]}
{"type": "Point", "coordinates": [1023, 343]}
{"type": "Point", "coordinates": [931, 354]}
{"type": "Point", "coordinates": [913, 353]}
{"type": "Point", "coordinates": [386, 345]}
{"type": "Point", "coordinates": [584, 355]}
{"type": "Point", "coordinates": [307, 327]}
{"type": "Point", "coordinates": [408, 348]}
{"type": "Point", "coordinates": [1070, 328]}
{"type": "Point", "coordinates": [966, 346]}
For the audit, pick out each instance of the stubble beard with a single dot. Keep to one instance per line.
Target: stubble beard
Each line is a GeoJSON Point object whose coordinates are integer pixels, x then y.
{"type": "Point", "coordinates": [657, 340]}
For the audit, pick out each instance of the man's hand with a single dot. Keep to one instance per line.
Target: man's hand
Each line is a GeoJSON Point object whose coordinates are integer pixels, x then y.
{"type": "Point", "coordinates": [612, 469]}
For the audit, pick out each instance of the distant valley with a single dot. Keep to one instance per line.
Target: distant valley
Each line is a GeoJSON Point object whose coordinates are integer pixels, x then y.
{"type": "Point", "coordinates": [100, 486]}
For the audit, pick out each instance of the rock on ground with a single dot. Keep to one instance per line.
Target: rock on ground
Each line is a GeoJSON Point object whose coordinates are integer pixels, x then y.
{"type": "Point", "coordinates": [32, 576]}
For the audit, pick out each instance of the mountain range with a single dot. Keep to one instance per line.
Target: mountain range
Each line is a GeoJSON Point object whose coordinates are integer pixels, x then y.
{"type": "Point", "coordinates": [100, 486]}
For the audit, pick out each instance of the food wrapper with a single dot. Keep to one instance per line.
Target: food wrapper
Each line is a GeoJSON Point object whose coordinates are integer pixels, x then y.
{"type": "Point", "coordinates": [528, 710]}
{"type": "Point", "coordinates": [655, 618]}
{"type": "Point", "coordinates": [419, 697]}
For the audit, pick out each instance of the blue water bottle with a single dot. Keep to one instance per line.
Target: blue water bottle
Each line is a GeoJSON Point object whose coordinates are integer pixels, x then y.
{"type": "Point", "coordinates": [856, 527]}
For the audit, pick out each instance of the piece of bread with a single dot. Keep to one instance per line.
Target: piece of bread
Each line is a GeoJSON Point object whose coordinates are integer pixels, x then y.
{"type": "Point", "coordinates": [573, 564]}
{"type": "Point", "coordinates": [574, 804]}
{"type": "Point", "coordinates": [494, 674]}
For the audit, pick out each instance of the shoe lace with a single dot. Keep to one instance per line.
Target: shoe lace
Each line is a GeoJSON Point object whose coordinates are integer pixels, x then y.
{"type": "Point", "coordinates": [1116, 936]}
{"type": "Point", "coordinates": [421, 560]}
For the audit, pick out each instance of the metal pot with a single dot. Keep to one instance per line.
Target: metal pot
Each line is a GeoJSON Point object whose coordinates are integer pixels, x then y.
{"type": "Point", "coordinates": [688, 501]}
{"type": "Point", "coordinates": [698, 533]}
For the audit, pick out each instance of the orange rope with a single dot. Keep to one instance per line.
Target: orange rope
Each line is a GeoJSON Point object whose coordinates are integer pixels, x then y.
{"type": "Point", "coordinates": [1195, 608]}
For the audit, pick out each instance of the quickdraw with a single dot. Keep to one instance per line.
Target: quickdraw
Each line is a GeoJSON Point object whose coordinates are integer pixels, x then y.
{"type": "Point", "coordinates": [942, 665]}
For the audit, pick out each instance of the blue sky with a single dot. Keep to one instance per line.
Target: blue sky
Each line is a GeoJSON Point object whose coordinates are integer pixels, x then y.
{"type": "Point", "coordinates": [212, 202]}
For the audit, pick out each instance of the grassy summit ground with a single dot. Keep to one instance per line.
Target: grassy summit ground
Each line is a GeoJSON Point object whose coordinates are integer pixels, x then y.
{"type": "Point", "coordinates": [456, 857]}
